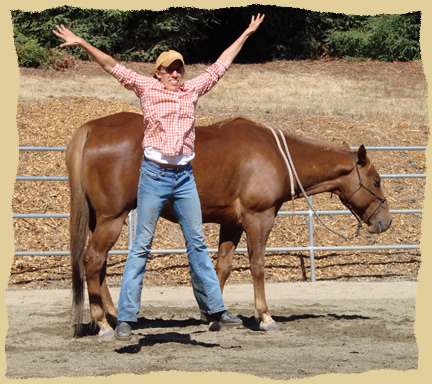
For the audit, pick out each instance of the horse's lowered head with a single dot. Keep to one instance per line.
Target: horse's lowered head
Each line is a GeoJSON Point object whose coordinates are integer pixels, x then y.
{"type": "Point", "coordinates": [361, 192]}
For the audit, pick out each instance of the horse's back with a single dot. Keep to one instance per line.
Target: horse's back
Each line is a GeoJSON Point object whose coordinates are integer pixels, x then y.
{"type": "Point", "coordinates": [237, 165]}
{"type": "Point", "coordinates": [237, 141]}
{"type": "Point", "coordinates": [233, 132]}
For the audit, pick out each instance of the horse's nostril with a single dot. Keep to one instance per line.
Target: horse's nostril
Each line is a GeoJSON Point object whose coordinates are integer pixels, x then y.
{"type": "Point", "coordinates": [380, 227]}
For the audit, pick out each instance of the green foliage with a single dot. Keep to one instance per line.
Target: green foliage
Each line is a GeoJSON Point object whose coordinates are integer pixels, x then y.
{"type": "Point", "coordinates": [384, 37]}
{"type": "Point", "coordinates": [102, 28]}
{"type": "Point", "coordinates": [128, 35]}
{"type": "Point", "coordinates": [150, 33]}
{"type": "Point", "coordinates": [31, 54]}
{"type": "Point", "coordinates": [201, 35]}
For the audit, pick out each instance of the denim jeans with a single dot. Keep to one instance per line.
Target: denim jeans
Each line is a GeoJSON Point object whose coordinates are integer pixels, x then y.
{"type": "Point", "coordinates": [156, 186]}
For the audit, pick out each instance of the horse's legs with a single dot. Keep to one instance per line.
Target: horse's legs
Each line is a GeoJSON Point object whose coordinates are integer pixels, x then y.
{"type": "Point", "coordinates": [228, 240]}
{"type": "Point", "coordinates": [258, 228]}
{"type": "Point", "coordinates": [108, 305]}
{"type": "Point", "coordinates": [103, 238]}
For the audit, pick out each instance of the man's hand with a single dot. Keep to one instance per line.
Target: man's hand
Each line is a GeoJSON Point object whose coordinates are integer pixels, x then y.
{"type": "Point", "coordinates": [254, 24]}
{"type": "Point", "coordinates": [104, 60]}
{"type": "Point", "coordinates": [231, 52]}
{"type": "Point", "coordinates": [69, 37]}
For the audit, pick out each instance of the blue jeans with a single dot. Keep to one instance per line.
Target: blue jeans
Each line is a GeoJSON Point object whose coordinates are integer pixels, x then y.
{"type": "Point", "coordinates": [156, 186]}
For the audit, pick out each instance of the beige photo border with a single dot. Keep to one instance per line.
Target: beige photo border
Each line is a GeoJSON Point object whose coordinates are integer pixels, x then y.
{"type": "Point", "coordinates": [9, 161]}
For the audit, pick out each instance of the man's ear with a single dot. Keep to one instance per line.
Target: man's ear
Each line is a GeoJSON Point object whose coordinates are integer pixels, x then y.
{"type": "Point", "coordinates": [157, 74]}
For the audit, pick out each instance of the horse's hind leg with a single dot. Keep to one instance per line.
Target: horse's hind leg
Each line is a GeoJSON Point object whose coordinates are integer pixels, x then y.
{"type": "Point", "coordinates": [258, 228]}
{"type": "Point", "coordinates": [103, 238]}
{"type": "Point", "coordinates": [108, 304]}
{"type": "Point", "coordinates": [229, 237]}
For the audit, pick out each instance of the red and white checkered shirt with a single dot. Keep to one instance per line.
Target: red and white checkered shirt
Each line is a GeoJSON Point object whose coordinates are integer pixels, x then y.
{"type": "Point", "coordinates": [169, 117]}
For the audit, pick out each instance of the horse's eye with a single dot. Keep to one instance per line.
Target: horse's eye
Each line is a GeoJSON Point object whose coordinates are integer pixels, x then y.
{"type": "Point", "coordinates": [377, 183]}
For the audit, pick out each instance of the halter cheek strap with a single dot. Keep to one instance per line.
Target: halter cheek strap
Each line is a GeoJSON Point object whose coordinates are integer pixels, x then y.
{"type": "Point", "coordinates": [361, 185]}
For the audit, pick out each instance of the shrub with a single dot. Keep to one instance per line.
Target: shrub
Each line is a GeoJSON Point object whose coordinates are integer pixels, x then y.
{"type": "Point", "coordinates": [29, 52]}
{"type": "Point", "coordinates": [129, 35]}
{"type": "Point", "coordinates": [384, 37]}
{"type": "Point", "coordinates": [59, 59]}
{"type": "Point", "coordinates": [201, 35]}
{"type": "Point", "coordinates": [394, 37]}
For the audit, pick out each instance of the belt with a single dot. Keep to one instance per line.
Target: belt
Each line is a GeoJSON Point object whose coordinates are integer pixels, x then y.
{"type": "Point", "coordinates": [167, 166]}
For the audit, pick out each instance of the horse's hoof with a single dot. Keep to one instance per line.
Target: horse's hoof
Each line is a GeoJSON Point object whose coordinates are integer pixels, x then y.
{"type": "Point", "coordinates": [107, 335]}
{"type": "Point", "coordinates": [272, 326]}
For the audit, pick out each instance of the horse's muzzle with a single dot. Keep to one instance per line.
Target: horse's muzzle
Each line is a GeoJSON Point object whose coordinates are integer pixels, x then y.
{"type": "Point", "coordinates": [379, 226]}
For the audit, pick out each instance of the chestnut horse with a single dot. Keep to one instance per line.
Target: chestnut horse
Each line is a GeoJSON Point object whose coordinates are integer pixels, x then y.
{"type": "Point", "coordinates": [242, 182]}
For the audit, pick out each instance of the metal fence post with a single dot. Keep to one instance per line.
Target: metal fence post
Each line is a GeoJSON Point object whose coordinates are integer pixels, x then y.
{"type": "Point", "coordinates": [311, 241]}
{"type": "Point", "coordinates": [132, 227]}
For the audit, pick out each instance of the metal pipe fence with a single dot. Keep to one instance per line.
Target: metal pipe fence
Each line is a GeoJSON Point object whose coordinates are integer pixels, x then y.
{"type": "Point", "coordinates": [311, 247]}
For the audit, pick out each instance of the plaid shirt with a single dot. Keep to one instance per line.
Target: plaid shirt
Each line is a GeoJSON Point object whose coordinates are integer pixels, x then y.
{"type": "Point", "coordinates": [169, 117]}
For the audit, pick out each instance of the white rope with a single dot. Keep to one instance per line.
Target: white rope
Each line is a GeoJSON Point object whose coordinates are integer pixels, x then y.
{"type": "Point", "coordinates": [290, 165]}
{"type": "Point", "coordinates": [290, 171]}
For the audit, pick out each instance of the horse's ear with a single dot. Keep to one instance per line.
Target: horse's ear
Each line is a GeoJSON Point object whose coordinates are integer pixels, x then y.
{"type": "Point", "coordinates": [346, 144]}
{"type": "Point", "coordinates": [361, 154]}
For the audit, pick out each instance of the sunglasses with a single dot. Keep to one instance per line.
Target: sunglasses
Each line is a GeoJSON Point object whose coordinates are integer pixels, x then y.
{"type": "Point", "coordinates": [170, 70]}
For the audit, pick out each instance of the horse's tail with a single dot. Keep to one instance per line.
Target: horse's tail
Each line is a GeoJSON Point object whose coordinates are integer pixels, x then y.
{"type": "Point", "coordinates": [79, 221]}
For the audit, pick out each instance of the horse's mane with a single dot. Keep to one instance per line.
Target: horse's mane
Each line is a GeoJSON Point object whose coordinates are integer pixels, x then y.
{"type": "Point", "coordinates": [320, 144]}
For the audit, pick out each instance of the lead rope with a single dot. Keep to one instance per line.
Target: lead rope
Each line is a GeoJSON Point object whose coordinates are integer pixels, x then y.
{"type": "Point", "coordinates": [290, 171]}
{"type": "Point", "coordinates": [290, 165]}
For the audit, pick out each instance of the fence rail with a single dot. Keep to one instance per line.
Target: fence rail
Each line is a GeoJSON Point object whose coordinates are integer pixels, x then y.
{"type": "Point", "coordinates": [311, 247]}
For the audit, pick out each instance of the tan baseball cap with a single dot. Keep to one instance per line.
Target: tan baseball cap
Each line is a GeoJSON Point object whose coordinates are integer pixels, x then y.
{"type": "Point", "coordinates": [167, 58]}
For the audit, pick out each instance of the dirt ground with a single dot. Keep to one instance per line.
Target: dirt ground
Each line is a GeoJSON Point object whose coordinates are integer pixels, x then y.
{"type": "Point", "coordinates": [324, 327]}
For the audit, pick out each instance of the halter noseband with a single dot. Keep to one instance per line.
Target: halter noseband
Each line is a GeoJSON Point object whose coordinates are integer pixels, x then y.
{"type": "Point", "coordinates": [361, 185]}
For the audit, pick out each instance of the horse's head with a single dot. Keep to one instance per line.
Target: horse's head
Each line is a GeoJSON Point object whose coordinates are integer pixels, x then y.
{"type": "Point", "coordinates": [361, 192]}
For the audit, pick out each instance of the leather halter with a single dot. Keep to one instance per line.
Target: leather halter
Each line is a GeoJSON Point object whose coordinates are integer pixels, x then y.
{"type": "Point", "coordinates": [361, 185]}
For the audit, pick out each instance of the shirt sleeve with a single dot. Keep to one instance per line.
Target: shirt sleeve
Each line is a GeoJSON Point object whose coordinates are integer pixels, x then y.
{"type": "Point", "coordinates": [209, 78]}
{"type": "Point", "coordinates": [130, 79]}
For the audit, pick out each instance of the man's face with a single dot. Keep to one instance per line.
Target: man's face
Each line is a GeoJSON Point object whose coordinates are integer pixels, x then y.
{"type": "Point", "coordinates": [171, 77]}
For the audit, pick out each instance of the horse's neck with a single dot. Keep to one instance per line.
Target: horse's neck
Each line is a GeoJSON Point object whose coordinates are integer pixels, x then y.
{"type": "Point", "coordinates": [320, 165]}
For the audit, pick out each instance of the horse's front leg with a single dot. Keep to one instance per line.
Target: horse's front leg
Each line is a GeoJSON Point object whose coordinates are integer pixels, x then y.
{"type": "Point", "coordinates": [257, 231]}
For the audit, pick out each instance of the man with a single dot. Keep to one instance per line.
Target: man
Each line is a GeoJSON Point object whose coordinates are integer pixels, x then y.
{"type": "Point", "coordinates": [168, 104]}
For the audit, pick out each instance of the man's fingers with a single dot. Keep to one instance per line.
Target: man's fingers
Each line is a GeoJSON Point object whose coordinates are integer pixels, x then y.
{"type": "Point", "coordinates": [257, 20]}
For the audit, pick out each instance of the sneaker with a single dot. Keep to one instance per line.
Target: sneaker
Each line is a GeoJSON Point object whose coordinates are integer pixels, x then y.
{"type": "Point", "coordinates": [224, 318]}
{"type": "Point", "coordinates": [123, 331]}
